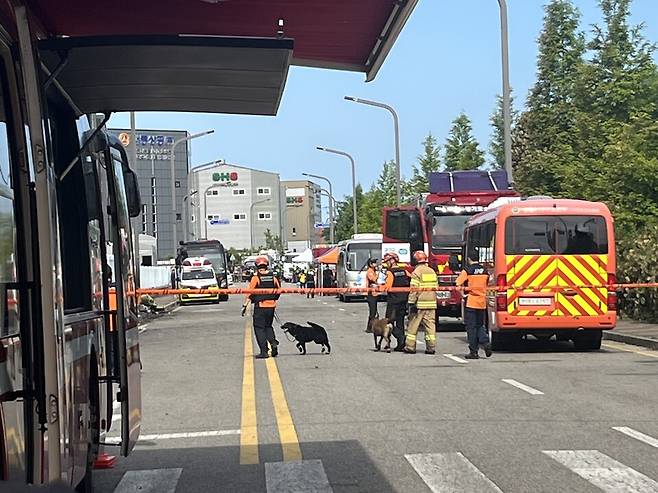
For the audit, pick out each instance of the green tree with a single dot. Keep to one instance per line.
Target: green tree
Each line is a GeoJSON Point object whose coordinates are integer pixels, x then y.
{"type": "Point", "coordinates": [381, 194]}
{"type": "Point", "coordinates": [427, 162]}
{"type": "Point", "coordinates": [497, 142]}
{"type": "Point", "coordinates": [462, 151]}
{"type": "Point", "coordinates": [344, 216]}
{"type": "Point", "coordinates": [273, 242]}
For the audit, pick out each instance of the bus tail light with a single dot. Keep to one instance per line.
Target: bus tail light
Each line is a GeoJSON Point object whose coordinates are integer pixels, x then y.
{"type": "Point", "coordinates": [612, 294]}
{"type": "Point", "coordinates": [501, 293]}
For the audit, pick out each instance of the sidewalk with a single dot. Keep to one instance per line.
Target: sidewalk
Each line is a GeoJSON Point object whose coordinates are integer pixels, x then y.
{"type": "Point", "coordinates": [632, 332]}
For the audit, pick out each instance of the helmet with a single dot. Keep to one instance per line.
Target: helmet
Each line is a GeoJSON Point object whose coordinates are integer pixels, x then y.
{"type": "Point", "coordinates": [420, 257]}
{"type": "Point", "coordinates": [262, 261]}
{"type": "Point", "coordinates": [391, 256]}
{"type": "Point", "coordinates": [372, 261]}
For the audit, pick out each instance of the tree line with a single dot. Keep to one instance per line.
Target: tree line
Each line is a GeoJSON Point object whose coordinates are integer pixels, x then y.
{"type": "Point", "coordinates": [588, 130]}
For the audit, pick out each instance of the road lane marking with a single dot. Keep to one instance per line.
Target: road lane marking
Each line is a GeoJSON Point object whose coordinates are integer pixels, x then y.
{"type": "Point", "coordinates": [455, 358]}
{"type": "Point", "coordinates": [143, 328]}
{"type": "Point", "coordinates": [451, 472]}
{"type": "Point", "coordinates": [248, 421]}
{"type": "Point", "coordinates": [522, 386]}
{"type": "Point", "coordinates": [174, 436]}
{"type": "Point", "coordinates": [604, 472]}
{"type": "Point", "coordinates": [649, 440]}
{"type": "Point", "coordinates": [342, 309]}
{"type": "Point", "coordinates": [296, 477]}
{"type": "Point", "coordinates": [149, 481]}
{"type": "Point", "coordinates": [629, 349]}
{"type": "Point", "coordinates": [287, 433]}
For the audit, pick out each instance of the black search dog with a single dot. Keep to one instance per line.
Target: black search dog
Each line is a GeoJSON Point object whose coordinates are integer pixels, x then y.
{"type": "Point", "coordinates": [304, 334]}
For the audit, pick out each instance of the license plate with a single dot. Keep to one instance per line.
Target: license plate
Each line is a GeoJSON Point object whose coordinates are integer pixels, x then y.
{"type": "Point", "coordinates": [535, 301]}
{"type": "Point", "coordinates": [444, 295]}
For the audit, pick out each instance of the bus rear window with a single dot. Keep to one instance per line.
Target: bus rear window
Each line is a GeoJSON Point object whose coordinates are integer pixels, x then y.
{"type": "Point", "coordinates": [550, 235]}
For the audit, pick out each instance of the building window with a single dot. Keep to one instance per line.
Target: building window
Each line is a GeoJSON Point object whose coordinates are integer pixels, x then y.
{"type": "Point", "coordinates": [264, 191]}
{"type": "Point", "coordinates": [193, 219]}
{"type": "Point", "coordinates": [239, 217]}
{"type": "Point", "coordinates": [177, 184]}
{"type": "Point", "coordinates": [212, 192]}
{"type": "Point", "coordinates": [238, 191]}
{"type": "Point", "coordinates": [179, 217]}
{"type": "Point", "coordinates": [264, 216]}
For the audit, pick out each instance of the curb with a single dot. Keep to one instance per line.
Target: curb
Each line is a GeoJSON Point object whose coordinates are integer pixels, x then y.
{"type": "Point", "coordinates": [630, 339]}
{"type": "Point", "coordinates": [169, 306]}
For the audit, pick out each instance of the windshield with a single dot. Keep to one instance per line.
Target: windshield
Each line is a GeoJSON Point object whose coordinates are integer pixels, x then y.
{"type": "Point", "coordinates": [546, 235]}
{"type": "Point", "coordinates": [359, 253]}
{"type": "Point", "coordinates": [448, 230]}
{"type": "Point", "coordinates": [215, 256]}
{"type": "Point", "coordinates": [197, 274]}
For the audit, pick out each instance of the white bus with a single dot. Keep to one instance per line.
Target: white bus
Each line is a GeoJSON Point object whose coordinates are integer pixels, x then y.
{"type": "Point", "coordinates": [353, 261]}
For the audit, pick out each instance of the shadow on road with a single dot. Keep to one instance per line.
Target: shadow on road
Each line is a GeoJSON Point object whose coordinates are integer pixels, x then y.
{"type": "Point", "coordinates": [346, 463]}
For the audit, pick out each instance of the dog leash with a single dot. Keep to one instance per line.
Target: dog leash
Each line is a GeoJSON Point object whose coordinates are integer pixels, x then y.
{"type": "Point", "coordinates": [278, 320]}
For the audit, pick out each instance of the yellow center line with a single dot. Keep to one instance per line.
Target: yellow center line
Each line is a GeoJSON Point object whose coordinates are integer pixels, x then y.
{"type": "Point", "coordinates": [629, 350]}
{"type": "Point", "coordinates": [248, 424]}
{"type": "Point", "coordinates": [287, 433]}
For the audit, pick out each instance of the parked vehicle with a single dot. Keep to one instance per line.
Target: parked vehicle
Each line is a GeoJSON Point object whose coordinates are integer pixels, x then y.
{"type": "Point", "coordinates": [353, 262]}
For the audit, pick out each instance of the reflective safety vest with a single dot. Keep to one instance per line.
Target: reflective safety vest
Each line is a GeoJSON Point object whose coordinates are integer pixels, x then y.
{"type": "Point", "coordinates": [265, 281]}
{"type": "Point", "coordinates": [400, 280]}
{"type": "Point", "coordinates": [424, 277]}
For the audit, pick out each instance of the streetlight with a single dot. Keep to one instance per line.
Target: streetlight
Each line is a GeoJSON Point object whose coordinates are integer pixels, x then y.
{"type": "Point", "coordinates": [396, 127]}
{"type": "Point", "coordinates": [342, 153]}
{"type": "Point", "coordinates": [332, 219]}
{"type": "Point", "coordinates": [173, 179]}
{"type": "Point", "coordinates": [507, 99]}
{"type": "Point", "coordinates": [251, 221]}
{"type": "Point", "coordinates": [205, 207]}
{"type": "Point", "coordinates": [331, 205]}
{"type": "Point", "coordinates": [192, 193]}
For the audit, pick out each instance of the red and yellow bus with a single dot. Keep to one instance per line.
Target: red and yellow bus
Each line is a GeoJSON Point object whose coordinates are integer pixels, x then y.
{"type": "Point", "coordinates": [550, 262]}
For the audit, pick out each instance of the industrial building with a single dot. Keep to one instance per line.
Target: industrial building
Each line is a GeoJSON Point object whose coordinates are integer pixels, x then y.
{"type": "Point", "coordinates": [153, 169]}
{"type": "Point", "coordinates": [303, 213]}
{"type": "Point", "coordinates": [235, 205]}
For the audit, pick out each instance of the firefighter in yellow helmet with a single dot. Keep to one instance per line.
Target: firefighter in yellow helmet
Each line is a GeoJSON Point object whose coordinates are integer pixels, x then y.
{"type": "Point", "coordinates": [422, 305]}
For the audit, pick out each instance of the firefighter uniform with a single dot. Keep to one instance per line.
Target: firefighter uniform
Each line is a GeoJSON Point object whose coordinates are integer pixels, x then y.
{"type": "Point", "coordinates": [475, 277]}
{"type": "Point", "coordinates": [396, 303]}
{"type": "Point", "coordinates": [423, 305]}
{"type": "Point", "coordinates": [263, 316]}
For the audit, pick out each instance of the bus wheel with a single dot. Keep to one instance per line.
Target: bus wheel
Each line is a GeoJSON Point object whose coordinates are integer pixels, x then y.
{"type": "Point", "coordinates": [588, 340]}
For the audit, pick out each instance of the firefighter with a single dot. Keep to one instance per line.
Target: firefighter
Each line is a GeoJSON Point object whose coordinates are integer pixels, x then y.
{"type": "Point", "coordinates": [264, 305]}
{"type": "Point", "coordinates": [396, 303]}
{"type": "Point", "coordinates": [422, 305]}
{"type": "Point", "coordinates": [310, 283]}
{"type": "Point", "coordinates": [474, 276]}
{"type": "Point", "coordinates": [372, 276]}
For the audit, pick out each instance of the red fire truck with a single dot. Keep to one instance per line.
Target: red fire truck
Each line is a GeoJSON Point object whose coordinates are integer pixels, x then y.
{"type": "Point", "coordinates": [436, 224]}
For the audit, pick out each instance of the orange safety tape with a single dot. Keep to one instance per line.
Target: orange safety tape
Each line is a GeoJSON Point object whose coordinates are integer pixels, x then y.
{"type": "Point", "coordinates": [383, 290]}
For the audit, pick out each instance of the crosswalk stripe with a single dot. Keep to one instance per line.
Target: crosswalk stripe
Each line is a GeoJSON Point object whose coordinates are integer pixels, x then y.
{"type": "Point", "coordinates": [455, 358]}
{"type": "Point", "coordinates": [522, 386]}
{"type": "Point", "coordinates": [649, 440]}
{"type": "Point", "coordinates": [451, 472]}
{"type": "Point", "coordinates": [149, 481]}
{"type": "Point", "coordinates": [306, 476]}
{"type": "Point", "coordinates": [603, 471]}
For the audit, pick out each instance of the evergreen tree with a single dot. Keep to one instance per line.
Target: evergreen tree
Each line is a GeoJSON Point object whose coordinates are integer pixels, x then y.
{"type": "Point", "coordinates": [380, 195]}
{"type": "Point", "coordinates": [497, 142]}
{"type": "Point", "coordinates": [462, 151]}
{"type": "Point", "coordinates": [428, 162]}
{"type": "Point", "coordinates": [344, 216]}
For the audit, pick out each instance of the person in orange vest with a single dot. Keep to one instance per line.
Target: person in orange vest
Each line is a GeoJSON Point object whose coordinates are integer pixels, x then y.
{"type": "Point", "coordinates": [264, 305]}
{"type": "Point", "coordinates": [372, 275]}
{"type": "Point", "coordinates": [396, 303]}
{"type": "Point", "coordinates": [475, 277]}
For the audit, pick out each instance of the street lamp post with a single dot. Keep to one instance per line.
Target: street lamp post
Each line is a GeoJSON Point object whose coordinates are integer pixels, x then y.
{"type": "Point", "coordinates": [205, 208]}
{"type": "Point", "coordinates": [185, 211]}
{"type": "Point", "coordinates": [507, 98]}
{"type": "Point", "coordinates": [396, 126]}
{"type": "Point", "coordinates": [332, 218]}
{"type": "Point", "coordinates": [342, 153]}
{"type": "Point", "coordinates": [251, 221]}
{"type": "Point", "coordinates": [173, 179]}
{"type": "Point", "coordinates": [331, 205]}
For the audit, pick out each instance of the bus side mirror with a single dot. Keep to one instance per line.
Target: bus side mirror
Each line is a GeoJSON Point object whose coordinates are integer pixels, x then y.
{"type": "Point", "coordinates": [132, 193]}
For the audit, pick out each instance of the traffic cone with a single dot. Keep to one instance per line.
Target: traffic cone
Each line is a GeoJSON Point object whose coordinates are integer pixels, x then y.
{"type": "Point", "coordinates": [105, 461]}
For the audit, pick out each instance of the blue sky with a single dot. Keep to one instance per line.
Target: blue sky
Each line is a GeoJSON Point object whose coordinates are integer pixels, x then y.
{"type": "Point", "coordinates": [446, 60]}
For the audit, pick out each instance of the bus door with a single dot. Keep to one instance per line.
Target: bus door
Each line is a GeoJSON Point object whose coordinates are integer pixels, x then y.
{"type": "Point", "coordinates": [124, 203]}
{"type": "Point", "coordinates": [403, 232]}
{"type": "Point", "coordinates": [532, 266]}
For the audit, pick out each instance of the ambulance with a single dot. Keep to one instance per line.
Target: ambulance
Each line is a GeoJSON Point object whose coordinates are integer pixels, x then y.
{"type": "Point", "coordinates": [198, 273]}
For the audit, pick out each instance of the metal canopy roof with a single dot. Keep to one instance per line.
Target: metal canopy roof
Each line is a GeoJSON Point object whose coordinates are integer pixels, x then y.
{"type": "Point", "coordinates": [170, 73]}
{"type": "Point", "coordinates": [342, 34]}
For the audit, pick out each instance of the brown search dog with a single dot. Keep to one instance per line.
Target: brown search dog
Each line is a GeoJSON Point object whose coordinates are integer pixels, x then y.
{"type": "Point", "coordinates": [382, 328]}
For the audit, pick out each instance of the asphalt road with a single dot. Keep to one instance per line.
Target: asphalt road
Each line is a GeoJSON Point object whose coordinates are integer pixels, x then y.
{"type": "Point", "coordinates": [541, 418]}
